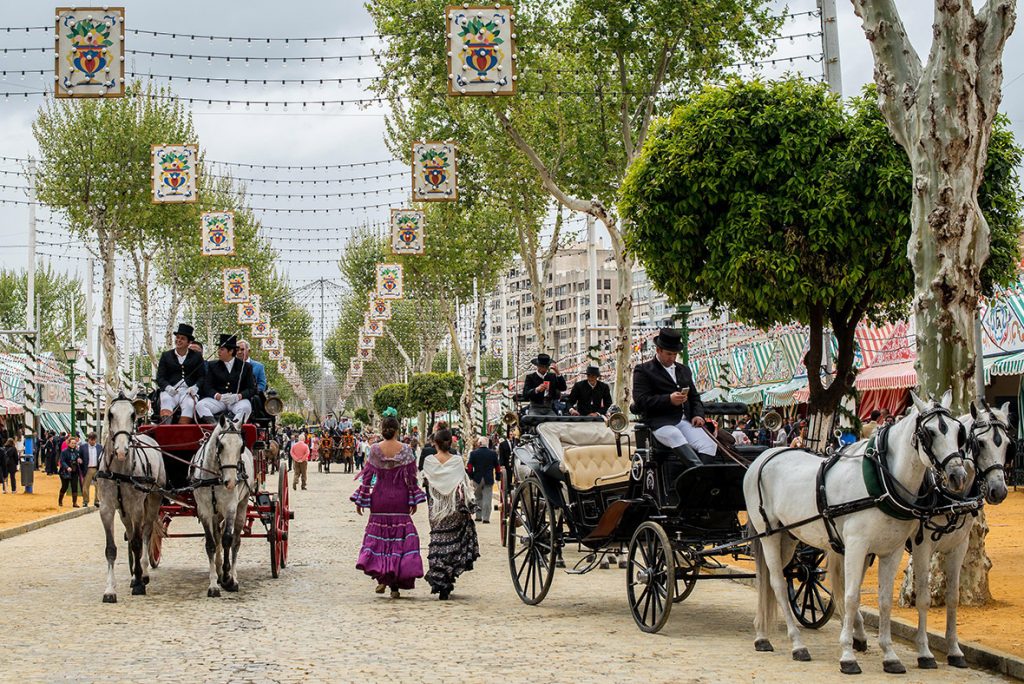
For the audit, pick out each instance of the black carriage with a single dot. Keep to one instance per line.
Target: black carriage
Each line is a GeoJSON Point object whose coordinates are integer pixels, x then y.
{"type": "Point", "coordinates": [580, 483]}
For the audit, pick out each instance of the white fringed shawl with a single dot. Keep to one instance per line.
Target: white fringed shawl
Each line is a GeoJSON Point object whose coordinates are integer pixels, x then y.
{"type": "Point", "coordinates": [445, 480]}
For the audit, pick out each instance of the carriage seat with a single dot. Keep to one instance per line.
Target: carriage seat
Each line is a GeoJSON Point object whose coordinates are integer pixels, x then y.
{"type": "Point", "coordinates": [587, 452]}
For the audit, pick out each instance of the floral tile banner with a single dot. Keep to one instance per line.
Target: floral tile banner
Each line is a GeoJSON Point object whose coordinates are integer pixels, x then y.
{"type": "Point", "coordinates": [355, 369]}
{"type": "Point", "coordinates": [175, 171]}
{"type": "Point", "coordinates": [275, 354]}
{"type": "Point", "coordinates": [433, 172]}
{"type": "Point", "coordinates": [372, 327]}
{"type": "Point", "coordinates": [249, 312]}
{"type": "Point", "coordinates": [236, 285]}
{"type": "Point", "coordinates": [261, 328]}
{"type": "Point", "coordinates": [218, 233]}
{"type": "Point", "coordinates": [407, 234]}
{"type": "Point", "coordinates": [284, 365]}
{"type": "Point", "coordinates": [481, 50]}
{"type": "Point", "coordinates": [365, 341]}
{"type": "Point", "coordinates": [270, 340]}
{"type": "Point", "coordinates": [89, 52]}
{"type": "Point", "coordinates": [365, 355]}
{"type": "Point", "coordinates": [389, 281]}
{"type": "Point", "coordinates": [380, 309]}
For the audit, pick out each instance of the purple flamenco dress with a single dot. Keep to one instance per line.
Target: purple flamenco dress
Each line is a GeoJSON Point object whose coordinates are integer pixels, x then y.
{"type": "Point", "coordinates": [391, 546]}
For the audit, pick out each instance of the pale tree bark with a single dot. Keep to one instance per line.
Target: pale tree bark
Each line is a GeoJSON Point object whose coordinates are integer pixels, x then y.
{"type": "Point", "coordinates": [974, 587]}
{"type": "Point", "coordinates": [177, 297]}
{"type": "Point", "coordinates": [142, 261]}
{"type": "Point", "coordinates": [107, 247]}
{"type": "Point", "coordinates": [467, 366]}
{"type": "Point", "coordinates": [942, 113]}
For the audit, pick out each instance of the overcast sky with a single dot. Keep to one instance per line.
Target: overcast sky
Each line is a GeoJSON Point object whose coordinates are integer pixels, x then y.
{"type": "Point", "coordinates": [314, 137]}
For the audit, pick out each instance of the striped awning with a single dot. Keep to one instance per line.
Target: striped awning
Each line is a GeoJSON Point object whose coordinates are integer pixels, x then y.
{"type": "Point", "coordinates": [10, 408]}
{"type": "Point", "coordinates": [784, 394]}
{"type": "Point", "coordinates": [1005, 365]}
{"type": "Point", "coordinates": [750, 395]}
{"type": "Point", "coordinates": [893, 376]}
{"type": "Point", "coordinates": [58, 422]}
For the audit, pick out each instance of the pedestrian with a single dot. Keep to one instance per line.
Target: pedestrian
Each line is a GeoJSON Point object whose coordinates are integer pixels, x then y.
{"type": "Point", "coordinates": [52, 454]}
{"type": "Point", "coordinates": [362, 451]}
{"type": "Point", "coordinates": [483, 465]}
{"type": "Point", "coordinates": [300, 461]}
{"type": "Point", "coordinates": [453, 542]}
{"type": "Point", "coordinates": [800, 441]}
{"type": "Point", "coordinates": [91, 454]}
{"type": "Point", "coordinates": [7, 447]}
{"type": "Point", "coordinates": [391, 546]}
{"type": "Point", "coordinates": [69, 462]}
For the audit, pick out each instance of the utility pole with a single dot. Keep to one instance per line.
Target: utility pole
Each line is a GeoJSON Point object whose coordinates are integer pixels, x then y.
{"type": "Point", "coordinates": [30, 298]}
{"type": "Point", "coordinates": [504, 327]}
{"type": "Point", "coordinates": [830, 46]}
{"type": "Point", "coordinates": [323, 368]}
{"type": "Point", "coordinates": [592, 268]}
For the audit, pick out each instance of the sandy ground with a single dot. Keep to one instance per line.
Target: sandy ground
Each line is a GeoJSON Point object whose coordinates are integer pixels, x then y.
{"type": "Point", "coordinates": [20, 508]}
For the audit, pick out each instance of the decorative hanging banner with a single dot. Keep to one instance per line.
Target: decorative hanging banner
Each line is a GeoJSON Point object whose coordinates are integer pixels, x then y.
{"type": "Point", "coordinates": [218, 233]}
{"type": "Point", "coordinates": [249, 312]}
{"type": "Point", "coordinates": [355, 368]}
{"type": "Point", "coordinates": [389, 281]}
{"type": "Point", "coordinates": [236, 285]}
{"type": "Point", "coordinates": [371, 327]}
{"type": "Point", "coordinates": [284, 365]}
{"type": "Point", "coordinates": [89, 52]}
{"type": "Point", "coordinates": [175, 171]}
{"type": "Point", "coordinates": [270, 340]}
{"type": "Point", "coordinates": [366, 354]}
{"type": "Point", "coordinates": [433, 173]}
{"type": "Point", "coordinates": [481, 50]}
{"type": "Point", "coordinates": [407, 235]}
{"type": "Point", "coordinates": [275, 354]}
{"type": "Point", "coordinates": [261, 328]}
{"type": "Point", "coordinates": [380, 309]}
{"type": "Point", "coordinates": [365, 341]}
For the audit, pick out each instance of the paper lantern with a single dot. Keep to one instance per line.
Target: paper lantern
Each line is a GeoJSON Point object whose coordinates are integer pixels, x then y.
{"type": "Point", "coordinates": [218, 233]}
{"type": "Point", "coordinates": [380, 309]}
{"type": "Point", "coordinates": [389, 281]}
{"type": "Point", "coordinates": [433, 172]}
{"type": "Point", "coordinates": [236, 285]}
{"type": "Point", "coordinates": [407, 236]}
{"type": "Point", "coordinates": [175, 173]}
{"type": "Point", "coordinates": [249, 312]}
{"type": "Point", "coordinates": [481, 50]}
{"type": "Point", "coordinates": [89, 52]}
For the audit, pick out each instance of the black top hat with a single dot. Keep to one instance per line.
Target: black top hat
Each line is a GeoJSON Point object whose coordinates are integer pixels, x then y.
{"type": "Point", "coordinates": [541, 360]}
{"type": "Point", "coordinates": [593, 370]}
{"type": "Point", "coordinates": [228, 342]}
{"type": "Point", "coordinates": [669, 340]}
{"type": "Point", "coordinates": [186, 330]}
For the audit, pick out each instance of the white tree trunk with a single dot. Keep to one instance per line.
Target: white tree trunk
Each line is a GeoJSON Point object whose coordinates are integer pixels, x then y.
{"type": "Point", "coordinates": [142, 262]}
{"type": "Point", "coordinates": [108, 337]}
{"type": "Point", "coordinates": [624, 320]}
{"type": "Point", "coordinates": [974, 587]}
{"type": "Point", "coordinates": [942, 116]}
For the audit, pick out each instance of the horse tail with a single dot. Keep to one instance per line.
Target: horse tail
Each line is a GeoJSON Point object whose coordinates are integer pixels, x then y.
{"type": "Point", "coordinates": [767, 610]}
{"type": "Point", "coordinates": [837, 579]}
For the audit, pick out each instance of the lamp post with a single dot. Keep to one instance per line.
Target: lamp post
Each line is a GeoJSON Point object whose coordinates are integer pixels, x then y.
{"type": "Point", "coordinates": [449, 393]}
{"type": "Point", "coordinates": [71, 354]}
{"type": "Point", "coordinates": [483, 403]}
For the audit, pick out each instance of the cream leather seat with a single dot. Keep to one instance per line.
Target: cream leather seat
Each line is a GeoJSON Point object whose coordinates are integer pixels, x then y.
{"type": "Point", "coordinates": [587, 452]}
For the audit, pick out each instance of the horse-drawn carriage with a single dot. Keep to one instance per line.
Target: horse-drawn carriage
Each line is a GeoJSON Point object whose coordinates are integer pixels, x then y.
{"type": "Point", "coordinates": [584, 482]}
{"type": "Point", "coordinates": [326, 454]}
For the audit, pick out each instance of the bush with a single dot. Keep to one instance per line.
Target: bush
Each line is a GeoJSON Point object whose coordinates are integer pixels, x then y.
{"type": "Point", "coordinates": [395, 396]}
{"type": "Point", "coordinates": [361, 415]}
{"type": "Point", "coordinates": [291, 419]}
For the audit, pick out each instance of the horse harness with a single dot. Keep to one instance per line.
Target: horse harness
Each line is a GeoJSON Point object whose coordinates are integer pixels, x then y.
{"type": "Point", "coordinates": [885, 492]}
{"type": "Point", "coordinates": [197, 483]}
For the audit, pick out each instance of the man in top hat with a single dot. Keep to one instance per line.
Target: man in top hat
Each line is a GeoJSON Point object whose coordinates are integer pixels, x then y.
{"type": "Point", "coordinates": [590, 397]}
{"type": "Point", "coordinates": [664, 394]}
{"type": "Point", "coordinates": [179, 375]}
{"type": "Point", "coordinates": [229, 384]}
{"type": "Point", "coordinates": [543, 387]}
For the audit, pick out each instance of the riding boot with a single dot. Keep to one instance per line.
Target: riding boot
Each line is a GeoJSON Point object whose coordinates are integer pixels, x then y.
{"type": "Point", "coordinates": [687, 455]}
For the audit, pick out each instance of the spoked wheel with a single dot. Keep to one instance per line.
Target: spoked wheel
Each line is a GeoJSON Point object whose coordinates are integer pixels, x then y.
{"type": "Point", "coordinates": [275, 558]}
{"type": "Point", "coordinates": [686, 576]}
{"type": "Point", "coordinates": [650, 576]}
{"type": "Point", "coordinates": [531, 542]}
{"type": "Point", "coordinates": [809, 598]}
{"type": "Point", "coordinates": [156, 543]}
{"type": "Point", "coordinates": [503, 493]}
{"type": "Point", "coordinates": [282, 515]}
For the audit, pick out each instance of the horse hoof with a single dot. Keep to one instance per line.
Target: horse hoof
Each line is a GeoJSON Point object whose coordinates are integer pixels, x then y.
{"type": "Point", "coordinates": [139, 590]}
{"type": "Point", "coordinates": [894, 667]}
{"type": "Point", "coordinates": [849, 667]}
{"type": "Point", "coordinates": [231, 586]}
{"type": "Point", "coordinates": [860, 645]}
{"type": "Point", "coordinates": [132, 583]}
{"type": "Point", "coordinates": [957, 661]}
{"type": "Point", "coordinates": [559, 563]}
{"type": "Point", "coordinates": [145, 580]}
{"type": "Point", "coordinates": [623, 564]}
{"type": "Point", "coordinates": [110, 598]}
{"type": "Point", "coordinates": [213, 593]}
{"type": "Point", "coordinates": [802, 655]}
{"type": "Point", "coordinates": [605, 566]}
{"type": "Point", "coordinates": [763, 645]}
{"type": "Point", "coordinates": [927, 663]}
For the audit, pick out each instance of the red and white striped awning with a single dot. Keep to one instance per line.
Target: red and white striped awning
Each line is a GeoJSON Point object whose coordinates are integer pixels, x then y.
{"type": "Point", "coordinates": [893, 376]}
{"type": "Point", "coordinates": [10, 408]}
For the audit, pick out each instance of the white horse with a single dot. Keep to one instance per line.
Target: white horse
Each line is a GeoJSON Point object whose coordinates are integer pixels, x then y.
{"type": "Point", "coordinates": [988, 441]}
{"type": "Point", "coordinates": [128, 481]}
{"type": "Point", "coordinates": [222, 468]}
{"type": "Point", "coordinates": [781, 490]}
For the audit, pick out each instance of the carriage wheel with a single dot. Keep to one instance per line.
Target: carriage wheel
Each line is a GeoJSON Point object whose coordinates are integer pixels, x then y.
{"type": "Point", "coordinates": [650, 576]}
{"type": "Point", "coordinates": [156, 544]}
{"type": "Point", "coordinates": [686, 576]}
{"type": "Point", "coordinates": [809, 598]}
{"type": "Point", "coordinates": [531, 542]}
{"type": "Point", "coordinates": [503, 492]}
{"type": "Point", "coordinates": [282, 515]}
{"type": "Point", "coordinates": [275, 559]}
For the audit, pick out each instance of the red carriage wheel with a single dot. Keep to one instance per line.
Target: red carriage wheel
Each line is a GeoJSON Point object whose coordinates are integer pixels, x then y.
{"type": "Point", "coordinates": [282, 514]}
{"type": "Point", "coordinates": [275, 560]}
{"type": "Point", "coordinates": [156, 542]}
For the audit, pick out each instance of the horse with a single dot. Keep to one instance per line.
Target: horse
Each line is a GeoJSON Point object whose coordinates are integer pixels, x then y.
{"type": "Point", "coordinates": [326, 452]}
{"type": "Point", "coordinates": [274, 453]}
{"type": "Point", "coordinates": [219, 473]}
{"type": "Point", "coordinates": [782, 493]}
{"type": "Point", "coordinates": [988, 441]}
{"type": "Point", "coordinates": [129, 481]}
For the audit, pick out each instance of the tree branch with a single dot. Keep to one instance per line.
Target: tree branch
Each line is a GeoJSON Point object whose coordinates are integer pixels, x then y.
{"type": "Point", "coordinates": [996, 20]}
{"type": "Point", "coordinates": [627, 133]}
{"type": "Point", "coordinates": [648, 107]}
{"type": "Point", "coordinates": [398, 346]}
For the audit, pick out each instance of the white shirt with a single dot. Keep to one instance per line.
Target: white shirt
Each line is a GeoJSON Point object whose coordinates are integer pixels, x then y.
{"type": "Point", "coordinates": [741, 437]}
{"type": "Point", "coordinates": [181, 357]}
{"type": "Point", "coordinates": [671, 370]}
{"type": "Point", "coordinates": [93, 459]}
{"type": "Point", "coordinates": [229, 364]}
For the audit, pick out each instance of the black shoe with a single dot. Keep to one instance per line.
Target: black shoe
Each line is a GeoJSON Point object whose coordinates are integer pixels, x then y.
{"type": "Point", "coordinates": [207, 420]}
{"type": "Point", "coordinates": [486, 522]}
{"type": "Point", "coordinates": [443, 596]}
{"type": "Point", "coordinates": [687, 455]}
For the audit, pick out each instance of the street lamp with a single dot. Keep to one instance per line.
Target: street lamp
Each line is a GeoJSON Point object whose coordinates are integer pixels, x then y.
{"type": "Point", "coordinates": [449, 393]}
{"type": "Point", "coordinates": [71, 355]}
{"type": "Point", "coordinates": [483, 403]}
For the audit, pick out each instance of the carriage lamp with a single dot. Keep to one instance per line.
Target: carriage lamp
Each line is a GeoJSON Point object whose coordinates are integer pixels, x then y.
{"type": "Point", "coordinates": [71, 355]}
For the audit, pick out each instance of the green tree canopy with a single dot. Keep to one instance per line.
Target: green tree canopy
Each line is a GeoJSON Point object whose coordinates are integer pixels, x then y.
{"type": "Point", "coordinates": [772, 201]}
{"type": "Point", "coordinates": [393, 396]}
{"type": "Point", "coordinates": [58, 295]}
{"type": "Point", "coordinates": [291, 419]}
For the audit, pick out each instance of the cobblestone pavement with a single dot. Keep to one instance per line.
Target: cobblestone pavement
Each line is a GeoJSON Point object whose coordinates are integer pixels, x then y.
{"type": "Point", "coordinates": [321, 620]}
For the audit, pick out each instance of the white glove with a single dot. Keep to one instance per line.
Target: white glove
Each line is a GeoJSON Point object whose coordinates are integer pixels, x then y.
{"type": "Point", "coordinates": [170, 390]}
{"type": "Point", "coordinates": [229, 398]}
{"type": "Point", "coordinates": [194, 390]}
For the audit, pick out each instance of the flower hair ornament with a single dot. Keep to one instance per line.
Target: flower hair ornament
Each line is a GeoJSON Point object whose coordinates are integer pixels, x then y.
{"type": "Point", "coordinates": [390, 412]}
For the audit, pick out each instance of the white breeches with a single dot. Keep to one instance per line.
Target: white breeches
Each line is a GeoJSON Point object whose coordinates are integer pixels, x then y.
{"type": "Point", "coordinates": [182, 398]}
{"type": "Point", "coordinates": [208, 407]}
{"type": "Point", "coordinates": [682, 433]}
